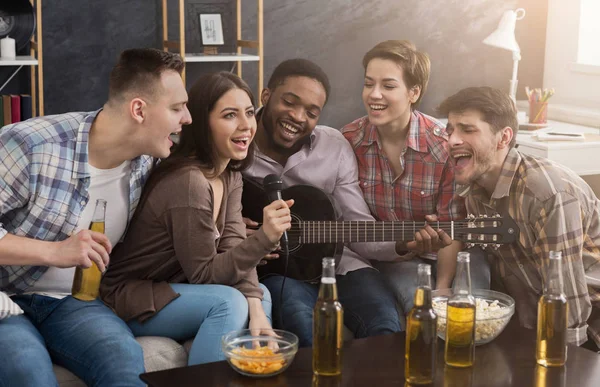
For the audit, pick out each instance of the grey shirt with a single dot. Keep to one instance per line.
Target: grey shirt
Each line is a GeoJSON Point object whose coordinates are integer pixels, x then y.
{"type": "Point", "coordinates": [327, 162]}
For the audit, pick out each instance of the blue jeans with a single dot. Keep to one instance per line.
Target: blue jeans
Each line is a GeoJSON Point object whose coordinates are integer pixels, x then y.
{"type": "Point", "coordinates": [202, 312]}
{"type": "Point", "coordinates": [369, 307]}
{"type": "Point", "coordinates": [87, 338]}
{"type": "Point", "coordinates": [402, 276]}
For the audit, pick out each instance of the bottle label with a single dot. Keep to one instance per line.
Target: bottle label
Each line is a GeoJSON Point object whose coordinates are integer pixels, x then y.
{"type": "Point", "coordinates": [327, 280]}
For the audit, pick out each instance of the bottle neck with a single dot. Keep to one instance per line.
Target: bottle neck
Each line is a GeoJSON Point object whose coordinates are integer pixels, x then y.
{"type": "Point", "coordinates": [462, 280]}
{"type": "Point", "coordinates": [328, 289]}
{"type": "Point", "coordinates": [554, 282]}
{"type": "Point", "coordinates": [423, 293]}
{"type": "Point", "coordinates": [328, 272]}
{"type": "Point", "coordinates": [99, 211]}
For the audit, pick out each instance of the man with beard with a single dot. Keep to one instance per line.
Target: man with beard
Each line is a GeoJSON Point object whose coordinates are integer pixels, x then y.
{"type": "Point", "coordinates": [290, 144]}
{"type": "Point", "coordinates": [553, 207]}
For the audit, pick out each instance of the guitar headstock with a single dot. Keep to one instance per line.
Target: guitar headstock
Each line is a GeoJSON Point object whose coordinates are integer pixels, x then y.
{"type": "Point", "coordinates": [487, 231]}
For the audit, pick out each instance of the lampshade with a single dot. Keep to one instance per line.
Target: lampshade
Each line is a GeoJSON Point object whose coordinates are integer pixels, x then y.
{"type": "Point", "coordinates": [504, 36]}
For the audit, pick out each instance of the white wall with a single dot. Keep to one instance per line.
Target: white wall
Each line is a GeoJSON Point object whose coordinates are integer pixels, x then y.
{"type": "Point", "coordinates": [573, 87]}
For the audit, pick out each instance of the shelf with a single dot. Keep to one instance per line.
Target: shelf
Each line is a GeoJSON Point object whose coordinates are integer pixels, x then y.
{"type": "Point", "coordinates": [220, 57]}
{"type": "Point", "coordinates": [235, 55]}
{"type": "Point", "coordinates": [20, 60]}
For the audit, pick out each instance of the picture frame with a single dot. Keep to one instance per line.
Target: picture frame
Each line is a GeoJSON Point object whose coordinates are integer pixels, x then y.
{"type": "Point", "coordinates": [211, 29]}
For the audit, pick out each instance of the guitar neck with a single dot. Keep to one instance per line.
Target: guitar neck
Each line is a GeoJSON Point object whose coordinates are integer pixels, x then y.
{"type": "Point", "coordinates": [362, 231]}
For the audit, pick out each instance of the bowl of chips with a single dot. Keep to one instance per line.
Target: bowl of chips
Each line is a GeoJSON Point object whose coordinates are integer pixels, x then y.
{"type": "Point", "coordinates": [259, 355]}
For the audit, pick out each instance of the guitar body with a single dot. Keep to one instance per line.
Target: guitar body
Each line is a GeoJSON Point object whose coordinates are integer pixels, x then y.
{"type": "Point", "coordinates": [310, 203]}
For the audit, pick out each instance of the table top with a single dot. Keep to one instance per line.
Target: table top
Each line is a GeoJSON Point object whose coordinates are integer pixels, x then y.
{"type": "Point", "coordinates": [592, 136]}
{"type": "Point", "coordinates": [509, 360]}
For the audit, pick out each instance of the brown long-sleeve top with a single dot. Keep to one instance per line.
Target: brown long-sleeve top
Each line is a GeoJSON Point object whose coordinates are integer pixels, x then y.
{"type": "Point", "coordinates": [173, 239]}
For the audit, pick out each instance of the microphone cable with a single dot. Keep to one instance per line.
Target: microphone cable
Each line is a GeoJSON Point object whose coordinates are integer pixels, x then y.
{"type": "Point", "coordinates": [286, 256]}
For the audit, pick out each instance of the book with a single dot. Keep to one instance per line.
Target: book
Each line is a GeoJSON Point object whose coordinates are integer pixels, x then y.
{"type": "Point", "coordinates": [557, 136]}
{"type": "Point", "coordinates": [15, 108]}
{"type": "Point", "coordinates": [26, 109]}
{"type": "Point", "coordinates": [7, 110]}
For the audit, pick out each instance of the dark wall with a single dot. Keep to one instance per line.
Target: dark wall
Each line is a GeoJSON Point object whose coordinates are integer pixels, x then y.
{"type": "Point", "coordinates": [337, 33]}
{"type": "Point", "coordinates": [82, 39]}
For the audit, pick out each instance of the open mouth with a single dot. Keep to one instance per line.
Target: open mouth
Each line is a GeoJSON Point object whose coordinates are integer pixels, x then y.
{"type": "Point", "coordinates": [289, 131]}
{"type": "Point", "coordinates": [462, 159]}
{"type": "Point", "coordinates": [377, 107]}
{"type": "Point", "coordinates": [241, 141]}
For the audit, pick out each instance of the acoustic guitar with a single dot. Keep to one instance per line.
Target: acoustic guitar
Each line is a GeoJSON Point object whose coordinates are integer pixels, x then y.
{"type": "Point", "coordinates": [316, 233]}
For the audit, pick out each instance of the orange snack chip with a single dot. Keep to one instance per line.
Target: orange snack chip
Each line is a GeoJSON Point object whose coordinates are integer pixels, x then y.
{"type": "Point", "coordinates": [259, 367]}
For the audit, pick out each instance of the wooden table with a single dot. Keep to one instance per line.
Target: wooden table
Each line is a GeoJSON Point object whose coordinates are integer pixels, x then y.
{"type": "Point", "coordinates": [379, 361]}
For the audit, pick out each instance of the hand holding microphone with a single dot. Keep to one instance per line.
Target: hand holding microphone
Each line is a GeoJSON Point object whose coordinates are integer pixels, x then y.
{"type": "Point", "coordinates": [276, 216]}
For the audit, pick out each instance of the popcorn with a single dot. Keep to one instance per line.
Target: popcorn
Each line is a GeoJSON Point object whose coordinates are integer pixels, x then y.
{"type": "Point", "coordinates": [490, 318]}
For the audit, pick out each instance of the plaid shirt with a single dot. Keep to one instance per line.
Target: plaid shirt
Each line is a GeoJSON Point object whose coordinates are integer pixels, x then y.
{"type": "Point", "coordinates": [426, 184]}
{"type": "Point", "coordinates": [44, 178]}
{"type": "Point", "coordinates": [555, 211]}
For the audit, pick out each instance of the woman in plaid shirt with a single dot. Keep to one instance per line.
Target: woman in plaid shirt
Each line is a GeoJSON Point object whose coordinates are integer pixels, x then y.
{"type": "Point", "coordinates": [404, 169]}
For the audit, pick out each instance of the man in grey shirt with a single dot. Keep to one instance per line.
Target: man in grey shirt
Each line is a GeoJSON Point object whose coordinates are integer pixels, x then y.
{"type": "Point", "coordinates": [291, 145]}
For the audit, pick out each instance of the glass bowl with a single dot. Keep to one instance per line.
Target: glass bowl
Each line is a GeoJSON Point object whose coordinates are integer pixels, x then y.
{"type": "Point", "coordinates": [259, 355]}
{"type": "Point", "coordinates": [494, 310]}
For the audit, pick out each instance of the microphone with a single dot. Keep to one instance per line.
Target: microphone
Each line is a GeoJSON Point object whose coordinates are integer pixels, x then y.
{"type": "Point", "coordinates": [273, 185]}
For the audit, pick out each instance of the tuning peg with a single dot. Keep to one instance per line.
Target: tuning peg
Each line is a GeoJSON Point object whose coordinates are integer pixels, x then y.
{"type": "Point", "coordinates": [470, 245]}
{"type": "Point", "coordinates": [484, 246]}
{"type": "Point", "coordinates": [470, 216]}
{"type": "Point", "coordinates": [497, 216]}
{"type": "Point", "coordinates": [484, 216]}
{"type": "Point", "coordinates": [496, 246]}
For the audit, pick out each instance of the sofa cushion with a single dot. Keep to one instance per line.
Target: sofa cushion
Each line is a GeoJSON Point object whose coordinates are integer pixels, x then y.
{"type": "Point", "coordinates": [66, 378]}
{"type": "Point", "coordinates": [161, 353]}
{"type": "Point", "coordinates": [8, 307]}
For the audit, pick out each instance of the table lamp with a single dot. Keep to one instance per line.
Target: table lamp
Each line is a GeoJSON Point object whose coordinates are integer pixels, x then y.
{"type": "Point", "coordinates": [504, 37]}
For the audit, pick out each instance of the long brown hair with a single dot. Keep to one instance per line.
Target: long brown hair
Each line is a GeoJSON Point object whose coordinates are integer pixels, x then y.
{"type": "Point", "coordinates": [196, 145]}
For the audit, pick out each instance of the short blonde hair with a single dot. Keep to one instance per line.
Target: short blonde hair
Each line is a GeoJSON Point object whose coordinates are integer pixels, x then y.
{"type": "Point", "coordinates": [415, 65]}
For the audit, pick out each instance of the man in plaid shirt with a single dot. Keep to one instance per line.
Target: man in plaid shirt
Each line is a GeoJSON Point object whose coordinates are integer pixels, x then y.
{"type": "Point", "coordinates": [51, 171]}
{"type": "Point", "coordinates": [553, 207]}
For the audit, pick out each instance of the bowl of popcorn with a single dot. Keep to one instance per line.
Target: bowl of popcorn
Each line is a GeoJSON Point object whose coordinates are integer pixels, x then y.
{"type": "Point", "coordinates": [492, 313]}
{"type": "Point", "coordinates": [259, 355]}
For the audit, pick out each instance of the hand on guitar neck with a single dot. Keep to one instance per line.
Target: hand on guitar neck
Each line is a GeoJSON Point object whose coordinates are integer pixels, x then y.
{"type": "Point", "coordinates": [427, 240]}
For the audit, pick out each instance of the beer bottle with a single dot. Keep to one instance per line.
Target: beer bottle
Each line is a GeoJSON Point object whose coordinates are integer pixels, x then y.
{"type": "Point", "coordinates": [421, 333]}
{"type": "Point", "coordinates": [86, 282]}
{"type": "Point", "coordinates": [328, 322]}
{"type": "Point", "coordinates": [460, 318]}
{"type": "Point", "coordinates": [551, 348]}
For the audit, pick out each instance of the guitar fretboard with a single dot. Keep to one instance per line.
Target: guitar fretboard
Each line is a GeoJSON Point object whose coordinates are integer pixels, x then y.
{"type": "Point", "coordinates": [361, 231]}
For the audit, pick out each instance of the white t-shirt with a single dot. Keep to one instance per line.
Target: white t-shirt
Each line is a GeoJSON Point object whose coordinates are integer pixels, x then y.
{"type": "Point", "coordinates": [111, 185]}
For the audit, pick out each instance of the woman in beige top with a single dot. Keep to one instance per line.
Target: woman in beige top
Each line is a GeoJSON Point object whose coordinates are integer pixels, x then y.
{"type": "Point", "coordinates": [185, 268]}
